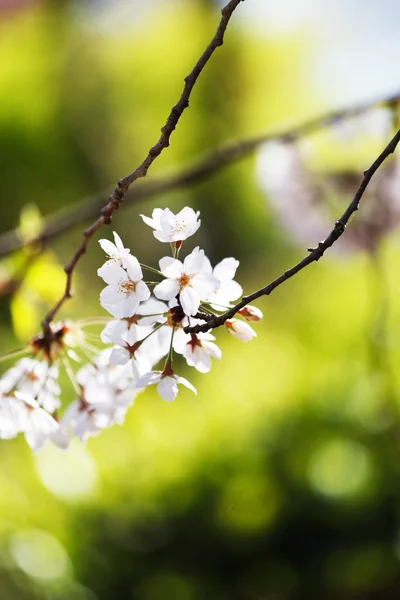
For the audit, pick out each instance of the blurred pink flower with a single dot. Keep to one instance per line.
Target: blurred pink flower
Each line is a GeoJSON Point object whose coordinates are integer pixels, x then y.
{"type": "Point", "coordinates": [307, 202]}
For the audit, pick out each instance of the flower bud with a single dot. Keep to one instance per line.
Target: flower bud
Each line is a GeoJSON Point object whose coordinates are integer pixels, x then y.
{"type": "Point", "coordinates": [241, 330]}
{"type": "Point", "coordinates": [250, 313]}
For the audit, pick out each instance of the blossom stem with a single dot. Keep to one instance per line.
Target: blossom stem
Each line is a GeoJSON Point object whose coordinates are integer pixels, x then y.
{"type": "Point", "coordinates": [151, 332]}
{"type": "Point", "coordinates": [151, 269]}
{"type": "Point", "coordinates": [168, 362]}
{"type": "Point", "coordinates": [206, 309]}
{"type": "Point", "coordinates": [175, 249]}
{"type": "Point", "coordinates": [215, 304]}
{"type": "Point", "coordinates": [87, 345]}
{"type": "Point", "coordinates": [93, 321]}
{"type": "Point", "coordinates": [152, 315]}
{"type": "Point", "coordinates": [71, 375]}
{"type": "Point", "coordinates": [92, 337]}
{"type": "Point", "coordinates": [87, 355]}
{"type": "Point", "coordinates": [14, 353]}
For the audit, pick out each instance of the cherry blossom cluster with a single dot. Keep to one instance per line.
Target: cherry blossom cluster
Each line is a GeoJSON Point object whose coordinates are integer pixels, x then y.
{"type": "Point", "coordinates": [30, 392]}
{"type": "Point", "coordinates": [147, 329]}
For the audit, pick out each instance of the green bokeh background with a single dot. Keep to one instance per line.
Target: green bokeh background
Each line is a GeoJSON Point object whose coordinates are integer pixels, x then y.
{"type": "Point", "coordinates": [281, 479]}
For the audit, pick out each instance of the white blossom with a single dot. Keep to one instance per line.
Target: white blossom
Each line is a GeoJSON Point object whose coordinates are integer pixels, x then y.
{"type": "Point", "coordinates": [167, 383]}
{"type": "Point", "coordinates": [37, 379]}
{"type": "Point", "coordinates": [20, 413]}
{"type": "Point", "coordinates": [119, 331]}
{"type": "Point", "coordinates": [164, 335]}
{"type": "Point", "coordinates": [114, 331]}
{"type": "Point", "coordinates": [84, 420]}
{"type": "Point", "coordinates": [241, 330]}
{"type": "Point", "coordinates": [73, 335]}
{"type": "Point", "coordinates": [125, 289]}
{"type": "Point", "coordinates": [104, 384]}
{"type": "Point", "coordinates": [107, 392]}
{"type": "Point", "coordinates": [134, 353]}
{"type": "Point", "coordinates": [129, 347]}
{"type": "Point", "coordinates": [9, 417]}
{"type": "Point", "coordinates": [116, 252]}
{"type": "Point", "coordinates": [190, 280]}
{"type": "Point", "coordinates": [152, 311]}
{"type": "Point", "coordinates": [228, 290]}
{"type": "Point", "coordinates": [199, 350]}
{"type": "Point", "coordinates": [173, 228]}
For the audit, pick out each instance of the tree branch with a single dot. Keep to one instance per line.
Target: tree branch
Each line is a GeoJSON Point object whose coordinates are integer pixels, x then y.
{"type": "Point", "coordinates": [228, 152]}
{"type": "Point", "coordinates": [314, 253]}
{"type": "Point", "coordinates": [123, 185]}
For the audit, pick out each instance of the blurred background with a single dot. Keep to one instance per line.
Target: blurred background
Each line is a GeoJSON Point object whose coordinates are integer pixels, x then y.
{"type": "Point", "coordinates": [281, 479]}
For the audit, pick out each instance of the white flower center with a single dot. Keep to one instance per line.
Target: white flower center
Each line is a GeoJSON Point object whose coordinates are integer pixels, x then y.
{"type": "Point", "coordinates": [179, 227]}
{"type": "Point", "coordinates": [184, 280]}
{"type": "Point", "coordinates": [127, 287]}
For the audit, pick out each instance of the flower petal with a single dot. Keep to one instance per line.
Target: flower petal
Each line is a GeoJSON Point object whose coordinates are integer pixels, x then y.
{"type": "Point", "coordinates": [128, 306]}
{"type": "Point", "coordinates": [111, 272]}
{"type": "Point", "coordinates": [167, 289]}
{"type": "Point", "coordinates": [148, 379]}
{"type": "Point", "coordinates": [197, 357]}
{"type": "Point", "coordinates": [171, 267]}
{"type": "Point", "coordinates": [167, 221]}
{"type": "Point", "coordinates": [186, 383]}
{"type": "Point", "coordinates": [180, 340]}
{"type": "Point", "coordinates": [109, 295]}
{"type": "Point", "coordinates": [119, 356]}
{"type": "Point", "coordinates": [119, 244]}
{"type": "Point", "coordinates": [205, 284]}
{"type": "Point", "coordinates": [194, 262]}
{"type": "Point", "coordinates": [212, 349]}
{"type": "Point", "coordinates": [153, 307]}
{"type": "Point", "coordinates": [161, 236]}
{"type": "Point", "coordinates": [109, 248]}
{"type": "Point", "coordinates": [131, 264]}
{"type": "Point", "coordinates": [113, 331]}
{"type": "Point", "coordinates": [190, 300]}
{"type": "Point", "coordinates": [168, 388]}
{"type": "Point", "coordinates": [142, 291]}
{"type": "Point", "coordinates": [153, 222]}
{"type": "Point", "coordinates": [226, 269]}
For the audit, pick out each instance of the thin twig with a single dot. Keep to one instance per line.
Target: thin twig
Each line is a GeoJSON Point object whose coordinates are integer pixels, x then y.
{"type": "Point", "coordinates": [227, 153]}
{"type": "Point", "coordinates": [314, 253]}
{"type": "Point", "coordinates": [123, 185]}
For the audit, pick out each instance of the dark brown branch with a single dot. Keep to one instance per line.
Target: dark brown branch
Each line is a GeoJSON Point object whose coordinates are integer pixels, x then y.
{"type": "Point", "coordinates": [226, 154]}
{"type": "Point", "coordinates": [123, 185]}
{"type": "Point", "coordinates": [314, 253]}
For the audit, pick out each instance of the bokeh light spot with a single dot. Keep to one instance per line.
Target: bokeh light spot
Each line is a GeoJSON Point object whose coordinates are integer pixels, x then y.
{"type": "Point", "coordinates": [339, 468]}
{"type": "Point", "coordinates": [248, 504]}
{"type": "Point", "coordinates": [70, 475]}
{"type": "Point", "coordinates": [40, 555]}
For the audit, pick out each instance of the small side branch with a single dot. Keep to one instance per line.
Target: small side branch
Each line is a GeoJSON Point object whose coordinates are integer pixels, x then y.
{"type": "Point", "coordinates": [123, 185]}
{"type": "Point", "coordinates": [314, 253]}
